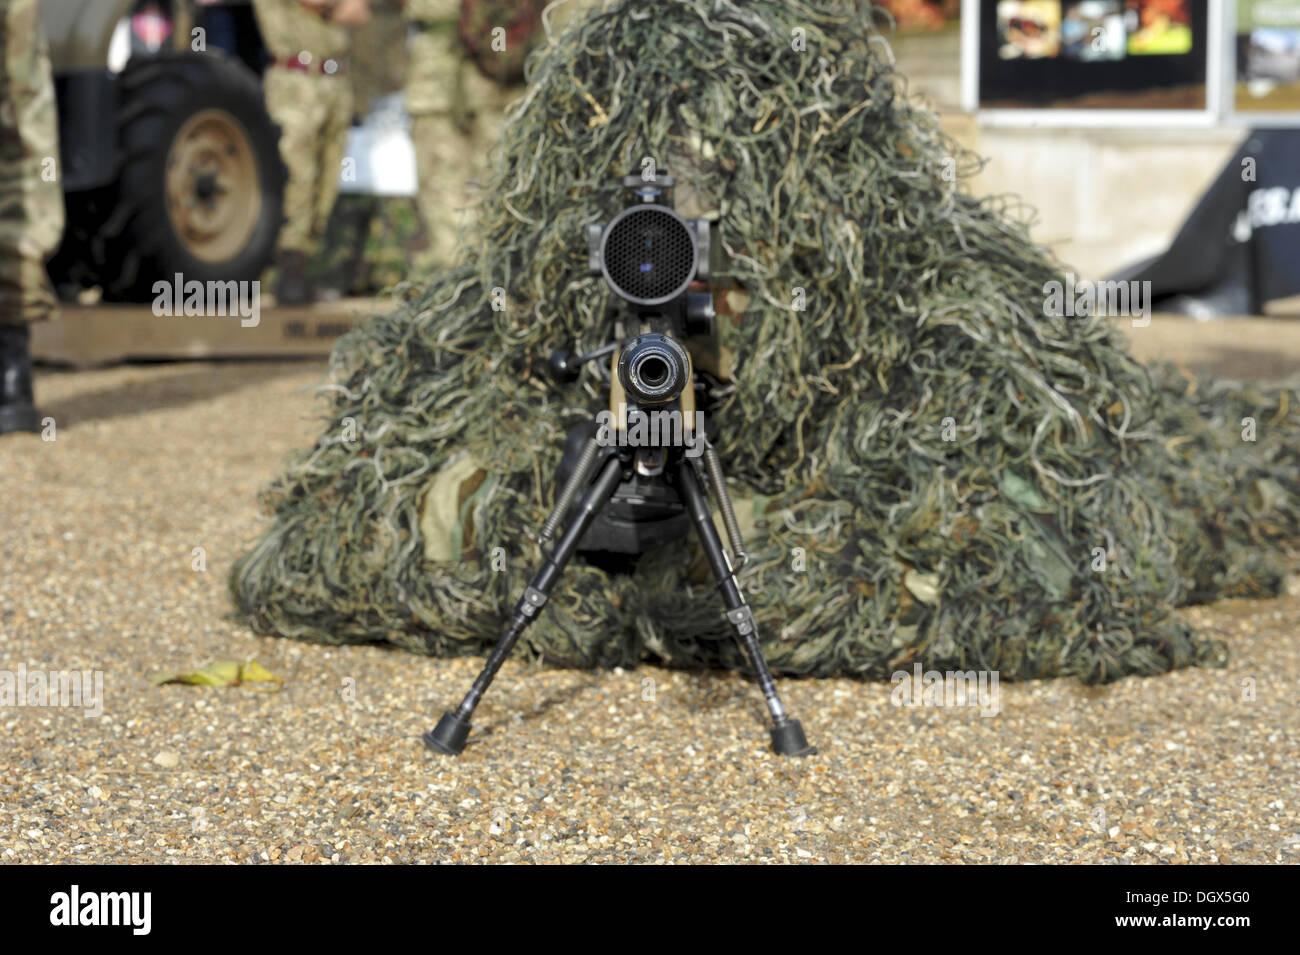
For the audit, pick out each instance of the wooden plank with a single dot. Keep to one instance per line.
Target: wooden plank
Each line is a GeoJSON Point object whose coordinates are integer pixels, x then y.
{"type": "Point", "coordinates": [1284, 306]}
{"type": "Point", "coordinates": [89, 335]}
{"type": "Point", "coordinates": [1250, 348]}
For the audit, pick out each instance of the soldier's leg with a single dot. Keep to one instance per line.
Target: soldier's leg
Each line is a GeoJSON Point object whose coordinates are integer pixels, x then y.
{"type": "Point", "coordinates": [490, 102]}
{"type": "Point", "coordinates": [31, 204]}
{"type": "Point", "coordinates": [443, 166]}
{"type": "Point", "coordinates": [292, 104]}
{"type": "Point", "coordinates": [336, 96]}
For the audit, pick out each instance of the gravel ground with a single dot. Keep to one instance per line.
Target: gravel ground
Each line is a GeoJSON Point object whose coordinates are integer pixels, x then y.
{"type": "Point", "coordinates": [97, 546]}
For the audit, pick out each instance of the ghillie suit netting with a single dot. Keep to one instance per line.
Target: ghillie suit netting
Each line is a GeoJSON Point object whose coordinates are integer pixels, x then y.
{"type": "Point", "coordinates": [929, 468]}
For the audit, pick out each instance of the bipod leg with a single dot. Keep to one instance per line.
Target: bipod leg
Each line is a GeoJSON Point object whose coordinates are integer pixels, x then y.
{"type": "Point", "coordinates": [449, 736]}
{"type": "Point", "coordinates": [787, 734]}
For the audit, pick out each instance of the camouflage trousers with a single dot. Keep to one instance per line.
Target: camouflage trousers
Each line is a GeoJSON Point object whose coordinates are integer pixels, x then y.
{"type": "Point", "coordinates": [314, 112]}
{"type": "Point", "coordinates": [31, 198]}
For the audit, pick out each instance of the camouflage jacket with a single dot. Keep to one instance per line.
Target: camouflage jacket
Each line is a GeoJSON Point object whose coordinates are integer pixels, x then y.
{"type": "Point", "coordinates": [433, 12]}
{"type": "Point", "coordinates": [290, 28]}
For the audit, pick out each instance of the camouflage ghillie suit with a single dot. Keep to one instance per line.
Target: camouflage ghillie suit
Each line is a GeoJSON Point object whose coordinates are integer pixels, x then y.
{"type": "Point", "coordinates": [312, 103]}
{"type": "Point", "coordinates": [937, 469]}
{"type": "Point", "coordinates": [31, 200]}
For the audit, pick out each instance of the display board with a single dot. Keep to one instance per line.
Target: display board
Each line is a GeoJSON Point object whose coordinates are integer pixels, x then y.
{"type": "Point", "coordinates": [1132, 62]}
{"type": "Point", "coordinates": [1093, 54]}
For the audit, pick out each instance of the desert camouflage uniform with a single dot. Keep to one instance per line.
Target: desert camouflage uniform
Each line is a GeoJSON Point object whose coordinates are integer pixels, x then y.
{"type": "Point", "coordinates": [456, 114]}
{"type": "Point", "coordinates": [314, 111]}
{"type": "Point", "coordinates": [378, 56]}
{"type": "Point", "coordinates": [31, 199]}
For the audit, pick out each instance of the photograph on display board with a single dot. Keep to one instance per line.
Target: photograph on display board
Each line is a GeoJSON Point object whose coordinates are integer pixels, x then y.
{"type": "Point", "coordinates": [1273, 56]}
{"type": "Point", "coordinates": [1268, 56]}
{"type": "Point", "coordinates": [1093, 30]}
{"type": "Point", "coordinates": [1029, 29]}
{"type": "Point", "coordinates": [1158, 27]}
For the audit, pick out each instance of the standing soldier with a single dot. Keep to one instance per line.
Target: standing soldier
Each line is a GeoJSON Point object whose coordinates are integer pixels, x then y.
{"type": "Point", "coordinates": [311, 99]}
{"type": "Point", "coordinates": [31, 202]}
{"type": "Point", "coordinates": [456, 94]}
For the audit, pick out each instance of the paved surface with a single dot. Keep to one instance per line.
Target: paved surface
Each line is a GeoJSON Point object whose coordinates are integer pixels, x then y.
{"type": "Point", "coordinates": [97, 537]}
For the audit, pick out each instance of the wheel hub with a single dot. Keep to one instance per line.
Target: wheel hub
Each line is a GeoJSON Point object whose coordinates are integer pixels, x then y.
{"type": "Point", "coordinates": [214, 195]}
{"type": "Point", "coordinates": [205, 187]}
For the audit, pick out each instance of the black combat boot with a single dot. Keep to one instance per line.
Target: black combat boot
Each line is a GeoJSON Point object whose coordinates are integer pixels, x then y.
{"type": "Point", "coordinates": [17, 408]}
{"type": "Point", "coordinates": [293, 286]}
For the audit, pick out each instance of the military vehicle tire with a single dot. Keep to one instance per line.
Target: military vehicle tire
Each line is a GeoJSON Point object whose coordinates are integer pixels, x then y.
{"type": "Point", "coordinates": [201, 181]}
